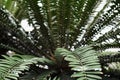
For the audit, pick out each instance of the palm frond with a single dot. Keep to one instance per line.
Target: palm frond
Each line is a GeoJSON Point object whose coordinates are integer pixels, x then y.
{"type": "Point", "coordinates": [37, 20]}
{"type": "Point", "coordinates": [11, 67]}
{"type": "Point", "coordinates": [13, 34]}
{"type": "Point", "coordinates": [84, 62]}
{"type": "Point", "coordinates": [110, 64]}
{"type": "Point", "coordinates": [102, 22]}
{"type": "Point", "coordinates": [108, 58]}
{"type": "Point", "coordinates": [113, 68]}
{"type": "Point", "coordinates": [84, 11]}
{"type": "Point", "coordinates": [14, 6]}
{"type": "Point", "coordinates": [37, 75]}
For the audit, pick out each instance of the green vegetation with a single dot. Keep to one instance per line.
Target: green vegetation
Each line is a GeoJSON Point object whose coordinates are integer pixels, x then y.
{"type": "Point", "coordinates": [67, 41]}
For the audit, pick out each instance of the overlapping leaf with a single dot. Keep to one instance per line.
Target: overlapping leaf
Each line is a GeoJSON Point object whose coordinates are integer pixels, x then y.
{"type": "Point", "coordinates": [84, 62]}
{"type": "Point", "coordinates": [11, 67]}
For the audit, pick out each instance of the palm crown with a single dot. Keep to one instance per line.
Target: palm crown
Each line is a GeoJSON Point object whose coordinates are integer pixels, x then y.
{"type": "Point", "coordinates": [62, 24]}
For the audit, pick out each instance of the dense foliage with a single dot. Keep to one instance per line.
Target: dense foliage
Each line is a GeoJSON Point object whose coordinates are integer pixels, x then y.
{"type": "Point", "coordinates": [66, 41]}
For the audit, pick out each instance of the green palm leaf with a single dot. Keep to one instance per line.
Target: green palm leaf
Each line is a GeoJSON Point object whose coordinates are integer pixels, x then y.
{"type": "Point", "coordinates": [11, 67]}
{"type": "Point", "coordinates": [84, 62]}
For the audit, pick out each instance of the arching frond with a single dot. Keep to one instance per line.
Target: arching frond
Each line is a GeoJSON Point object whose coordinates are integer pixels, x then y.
{"type": "Point", "coordinates": [11, 67]}
{"type": "Point", "coordinates": [84, 62]}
